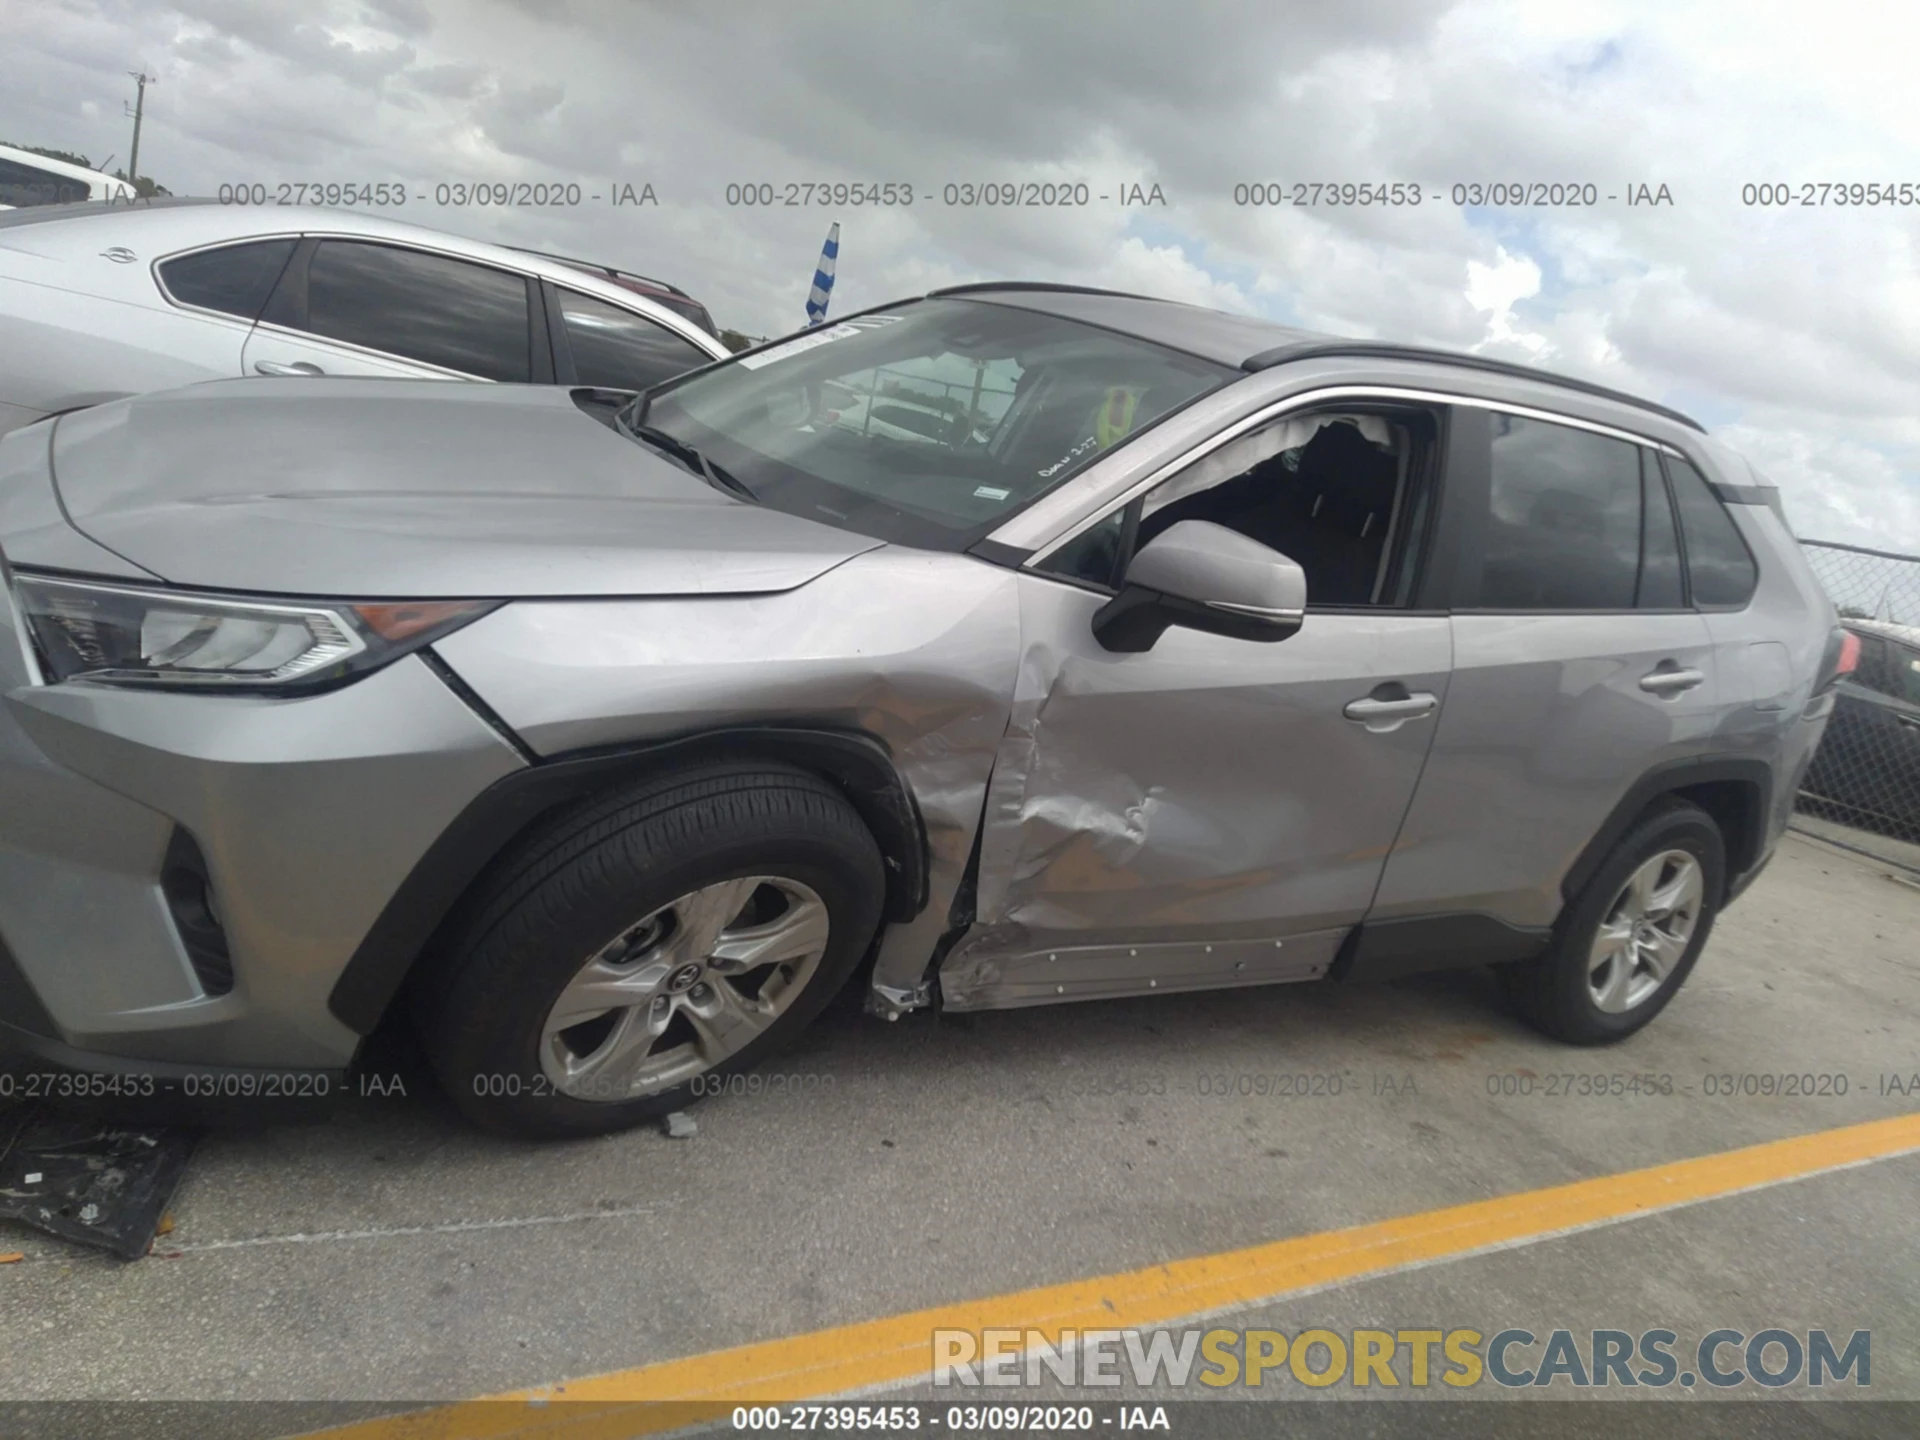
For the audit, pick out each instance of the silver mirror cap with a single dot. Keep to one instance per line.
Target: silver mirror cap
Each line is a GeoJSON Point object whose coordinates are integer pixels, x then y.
{"type": "Point", "coordinates": [1222, 569]}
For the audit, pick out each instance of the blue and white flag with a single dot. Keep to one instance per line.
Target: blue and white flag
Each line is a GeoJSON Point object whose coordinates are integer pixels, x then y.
{"type": "Point", "coordinates": [823, 278]}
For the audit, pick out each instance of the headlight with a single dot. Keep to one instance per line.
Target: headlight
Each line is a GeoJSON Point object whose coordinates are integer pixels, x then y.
{"type": "Point", "coordinates": [121, 635]}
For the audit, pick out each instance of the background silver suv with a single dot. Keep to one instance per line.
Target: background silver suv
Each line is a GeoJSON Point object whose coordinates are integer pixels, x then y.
{"type": "Point", "coordinates": [1166, 649]}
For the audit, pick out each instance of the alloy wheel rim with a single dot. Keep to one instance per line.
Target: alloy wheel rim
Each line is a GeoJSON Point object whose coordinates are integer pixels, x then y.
{"type": "Point", "coordinates": [1646, 931]}
{"type": "Point", "coordinates": [684, 988]}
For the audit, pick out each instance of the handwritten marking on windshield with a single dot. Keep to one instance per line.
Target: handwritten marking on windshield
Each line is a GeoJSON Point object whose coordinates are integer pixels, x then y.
{"type": "Point", "coordinates": [1072, 455]}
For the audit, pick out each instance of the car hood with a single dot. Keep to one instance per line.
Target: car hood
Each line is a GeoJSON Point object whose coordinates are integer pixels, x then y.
{"type": "Point", "coordinates": [403, 488]}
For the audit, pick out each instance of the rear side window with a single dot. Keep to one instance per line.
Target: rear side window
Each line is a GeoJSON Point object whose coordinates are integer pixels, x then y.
{"type": "Point", "coordinates": [1563, 532]}
{"type": "Point", "coordinates": [1903, 673]}
{"type": "Point", "coordinates": [687, 309]}
{"type": "Point", "coordinates": [1875, 670]}
{"type": "Point", "coordinates": [1889, 667]}
{"type": "Point", "coordinates": [620, 350]}
{"type": "Point", "coordinates": [235, 279]}
{"type": "Point", "coordinates": [1719, 566]}
{"type": "Point", "coordinates": [431, 308]}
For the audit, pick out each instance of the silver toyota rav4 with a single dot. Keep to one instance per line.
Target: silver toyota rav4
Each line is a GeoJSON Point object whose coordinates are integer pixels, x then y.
{"type": "Point", "coordinates": [1012, 645]}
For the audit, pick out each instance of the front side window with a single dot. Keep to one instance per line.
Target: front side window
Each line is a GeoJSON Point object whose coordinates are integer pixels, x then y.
{"type": "Point", "coordinates": [931, 424]}
{"type": "Point", "coordinates": [1563, 529]}
{"type": "Point", "coordinates": [619, 350]}
{"type": "Point", "coordinates": [1719, 565]}
{"type": "Point", "coordinates": [1326, 489]}
{"type": "Point", "coordinates": [235, 279]}
{"type": "Point", "coordinates": [431, 308]}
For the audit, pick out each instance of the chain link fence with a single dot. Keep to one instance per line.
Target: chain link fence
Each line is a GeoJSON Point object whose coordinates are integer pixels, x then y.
{"type": "Point", "coordinates": [1863, 790]}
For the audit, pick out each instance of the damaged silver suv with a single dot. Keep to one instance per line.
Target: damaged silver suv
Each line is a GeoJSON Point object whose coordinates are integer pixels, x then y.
{"type": "Point", "coordinates": [1012, 645]}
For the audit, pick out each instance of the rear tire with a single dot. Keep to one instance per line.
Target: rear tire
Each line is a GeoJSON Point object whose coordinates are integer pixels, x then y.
{"type": "Point", "coordinates": [627, 954]}
{"type": "Point", "coordinates": [1628, 941]}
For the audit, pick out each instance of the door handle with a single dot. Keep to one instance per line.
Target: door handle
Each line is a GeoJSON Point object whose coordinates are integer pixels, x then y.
{"type": "Point", "coordinates": [1668, 683]}
{"type": "Point", "coordinates": [1384, 713]}
{"type": "Point", "coordinates": [295, 367]}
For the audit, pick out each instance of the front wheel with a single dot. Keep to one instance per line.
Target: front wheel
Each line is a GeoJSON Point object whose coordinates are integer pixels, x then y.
{"type": "Point", "coordinates": [1627, 942]}
{"type": "Point", "coordinates": [633, 951]}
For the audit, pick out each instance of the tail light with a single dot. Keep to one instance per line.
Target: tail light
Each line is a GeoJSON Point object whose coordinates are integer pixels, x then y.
{"type": "Point", "coordinates": [1849, 654]}
{"type": "Point", "coordinates": [1841, 659]}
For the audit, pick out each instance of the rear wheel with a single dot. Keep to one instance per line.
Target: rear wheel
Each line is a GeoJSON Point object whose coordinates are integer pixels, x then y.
{"type": "Point", "coordinates": [1628, 941]}
{"type": "Point", "coordinates": [634, 950]}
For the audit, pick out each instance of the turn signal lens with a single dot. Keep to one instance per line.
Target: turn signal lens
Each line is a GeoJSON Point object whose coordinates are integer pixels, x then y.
{"type": "Point", "coordinates": [403, 619]}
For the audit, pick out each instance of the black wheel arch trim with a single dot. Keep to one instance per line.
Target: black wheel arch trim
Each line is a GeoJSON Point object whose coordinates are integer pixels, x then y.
{"type": "Point", "coordinates": [858, 763]}
{"type": "Point", "coordinates": [1745, 851]}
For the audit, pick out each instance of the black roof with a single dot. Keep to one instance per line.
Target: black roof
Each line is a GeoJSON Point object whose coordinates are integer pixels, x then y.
{"type": "Point", "coordinates": [1254, 344]}
{"type": "Point", "coordinates": [1215, 335]}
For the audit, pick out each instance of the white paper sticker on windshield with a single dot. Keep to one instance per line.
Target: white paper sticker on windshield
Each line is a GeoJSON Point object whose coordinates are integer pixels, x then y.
{"type": "Point", "coordinates": [814, 339]}
{"type": "Point", "coordinates": [797, 347]}
{"type": "Point", "coordinates": [990, 492]}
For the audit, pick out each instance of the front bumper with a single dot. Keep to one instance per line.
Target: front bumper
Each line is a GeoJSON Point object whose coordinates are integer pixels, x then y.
{"type": "Point", "coordinates": [301, 817]}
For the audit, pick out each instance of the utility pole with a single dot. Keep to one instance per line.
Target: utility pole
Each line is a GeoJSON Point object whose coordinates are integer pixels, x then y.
{"type": "Point", "coordinates": [142, 79]}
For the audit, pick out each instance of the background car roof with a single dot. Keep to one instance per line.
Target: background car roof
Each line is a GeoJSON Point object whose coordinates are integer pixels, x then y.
{"type": "Point", "coordinates": [67, 168]}
{"type": "Point", "coordinates": [1888, 629]}
{"type": "Point", "coordinates": [153, 229]}
{"type": "Point", "coordinates": [1250, 343]}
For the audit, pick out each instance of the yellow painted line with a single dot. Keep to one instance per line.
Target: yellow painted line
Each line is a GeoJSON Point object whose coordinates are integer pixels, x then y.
{"type": "Point", "coordinates": [898, 1348]}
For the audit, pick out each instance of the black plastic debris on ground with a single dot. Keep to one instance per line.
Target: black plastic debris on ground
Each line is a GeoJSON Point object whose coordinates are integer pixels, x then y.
{"type": "Point", "coordinates": [90, 1182]}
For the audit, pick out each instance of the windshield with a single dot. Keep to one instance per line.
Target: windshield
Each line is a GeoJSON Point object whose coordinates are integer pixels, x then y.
{"type": "Point", "coordinates": [930, 424]}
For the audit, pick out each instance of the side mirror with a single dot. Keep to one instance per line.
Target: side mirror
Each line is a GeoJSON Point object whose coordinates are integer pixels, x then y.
{"type": "Point", "coordinates": [1205, 577]}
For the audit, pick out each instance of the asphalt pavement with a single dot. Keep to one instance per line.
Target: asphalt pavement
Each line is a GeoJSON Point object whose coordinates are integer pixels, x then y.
{"type": "Point", "coordinates": [392, 1255]}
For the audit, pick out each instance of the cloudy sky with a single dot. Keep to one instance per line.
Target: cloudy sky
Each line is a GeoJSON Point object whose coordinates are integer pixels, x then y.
{"type": "Point", "coordinates": [1792, 331]}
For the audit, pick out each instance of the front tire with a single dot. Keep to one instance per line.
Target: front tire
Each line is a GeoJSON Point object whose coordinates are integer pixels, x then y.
{"type": "Point", "coordinates": [632, 951]}
{"type": "Point", "coordinates": [1626, 944]}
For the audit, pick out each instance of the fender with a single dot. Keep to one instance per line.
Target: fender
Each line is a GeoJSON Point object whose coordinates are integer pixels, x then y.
{"type": "Point", "coordinates": [857, 762]}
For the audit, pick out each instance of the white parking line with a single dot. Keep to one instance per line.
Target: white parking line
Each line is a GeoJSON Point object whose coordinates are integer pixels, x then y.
{"type": "Point", "coordinates": [383, 1232]}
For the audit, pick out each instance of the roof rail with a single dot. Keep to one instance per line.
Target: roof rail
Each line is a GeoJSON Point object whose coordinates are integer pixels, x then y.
{"type": "Point", "coordinates": [1382, 350]}
{"type": "Point", "coordinates": [578, 263]}
{"type": "Point", "coordinates": [979, 286]}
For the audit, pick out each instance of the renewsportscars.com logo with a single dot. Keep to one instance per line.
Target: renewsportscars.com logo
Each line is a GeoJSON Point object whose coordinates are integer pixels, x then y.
{"type": "Point", "coordinates": [1461, 1358]}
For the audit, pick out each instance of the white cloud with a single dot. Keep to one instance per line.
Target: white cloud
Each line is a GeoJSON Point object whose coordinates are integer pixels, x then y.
{"type": "Point", "coordinates": [1800, 324]}
{"type": "Point", "coordinates": [1832, 489]}
{"type": "Point", "coordinates": [1495, 289]}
